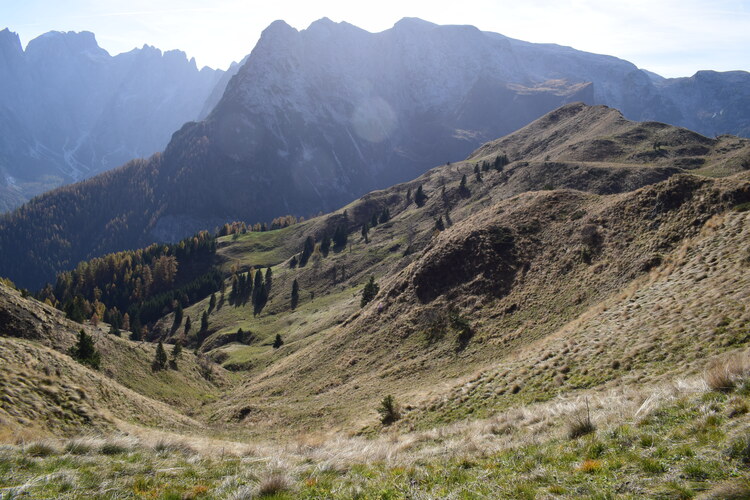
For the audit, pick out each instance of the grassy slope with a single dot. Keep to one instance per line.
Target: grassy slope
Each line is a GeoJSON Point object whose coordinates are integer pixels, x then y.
{"type": "Point", "coordinates": [337, 360]}
{"type": "Point", "coordinates": [553, 315]}
{"type": "Point", "coordinates": [125, 388]}
{"type": "Point", "coordinates": [659, 442]}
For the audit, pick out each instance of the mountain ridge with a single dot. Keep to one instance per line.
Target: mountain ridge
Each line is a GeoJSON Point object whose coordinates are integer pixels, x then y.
{"type": "Point", "coordinates": [68, 109]}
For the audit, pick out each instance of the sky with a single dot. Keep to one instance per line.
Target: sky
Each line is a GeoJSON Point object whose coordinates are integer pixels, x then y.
{"type": "Point", "coordinates": [670, 37]}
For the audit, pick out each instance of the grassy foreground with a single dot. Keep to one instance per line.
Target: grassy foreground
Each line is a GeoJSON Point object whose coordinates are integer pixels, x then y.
{"type": "Point", "coordinates": [690, 439]}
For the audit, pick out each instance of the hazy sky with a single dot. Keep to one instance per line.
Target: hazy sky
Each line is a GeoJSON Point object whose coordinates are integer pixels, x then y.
{"type": "Point", "coordinates": [670, 37]}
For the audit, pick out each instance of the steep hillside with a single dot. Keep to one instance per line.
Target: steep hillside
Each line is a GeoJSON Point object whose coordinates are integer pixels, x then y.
{"type": "Point", "coordinates": [479, 296]}
{"type": "Point", "coordinates": [69, 110]}
{"type": "Point", "coordinates": [562, 314]}
{"type": "Point", "coordinates": [133, 205]}
{"type": "Point", "coordinates": [44, 389]}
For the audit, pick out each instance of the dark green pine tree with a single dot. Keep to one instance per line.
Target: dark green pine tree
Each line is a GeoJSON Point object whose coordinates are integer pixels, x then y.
{"type": "Point", "coordinates": [374, 220]}
{"type": "Point", "coordinates": [340, 237]}
{"type": "Point", "coordinates": [204, 323]}
{"type": "Point", "coordinates": [212, 303]}
{"type": "Point", "coordinates": [258, 285]}
{"type": "Point", "coordinates": [439, 224]}
{"type": "Point", "coordinates": [277, 342]}
{"type": "Point", "coordinates": [419, 197]}
{"type": "Point", "coordinates": [136, 328]}
{"type": "Point", "coordinates": [477, 173]}
{"type": "Point", "coordinates": [295, 294]}
{"type": "Point", "coordinates": [74, 310]}
{"type": "Point", "coordinates": [307, 249]}
{"type": "Point", "coordinates": [408, 196]}
{"type": "Point", "coordinates": [84, 351]}
{"type": "Point", "coordinates": [269, 279]}
{"type": "Point", "coordinates": [188, 324]}
{"type": "Point", "coordinates": [160, 359]}
{"type": "Point", "coordinates": [261, 296]}
{"type": "Point", "coordinates": [176, 350]}
{"type": "Point", "coordinates": [369, 292]}
{"type": "Point", "coordinates": [325, 244]}
{"type": "Point", "coordinates": [178, 313]}
{"type": "Point", "coordinates": [234, 292]}
{"type": "Point", "coordinates": [385, 215]}
{"type": "Point", "coordinates": [365, 230]}
{"type": "Point", "coordinates": [500, 162]}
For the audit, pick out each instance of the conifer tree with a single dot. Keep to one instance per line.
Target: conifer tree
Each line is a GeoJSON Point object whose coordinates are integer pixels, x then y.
{"type": "Point", "coordinates": [258, 285]}
{"type": "Point", "coordinates": [84, 351]}
{"type": "Point", "coordinates": [178, 313]}
{"type": "Point", "coordinates": [408, 196]}
{"type": "Point", "coordinates": [177, 350]}
{"type": "Point", "coordinates": [293, 262]}
{"type": "Point", "coordinates": [260, 299]}
{"type": "Point", "coordinates": [136, 329]}
{"type": "Point", "coordinates": [204, 322]}
{"type": "Point", "coordinates": [160, 359]}
{"type": "Point", "coordinates": [307, 249]}
{"type": "Point", "coordinates": [477, 173]}
{"type": "Point", "coordinates": [388, 410]}
{"type": "Point", "coordinates": [188, 324]}
{"type": "Point", "coordinates": [277, 342]}
{"type": "Point", "coordinates": [340, 237]}
{"type": "Point", "coordinates": [439, 224]}
{"type": "Point", "coordinates": [295, 294]}
{"type": "Point", "coordinates": [325, 244]}
{"type": "Point", "coordinates": [365, 230]}
{"type": "Point", "coordinates": [420, 198]}
{"type": "Point", "coordinates": [369, 292]}
{"type": "Point", "coordinates": [462, 186]}
{"type": "Point", "coordinates": [385, 215]}
{"type": "Point", "coordinates": [212, 302]}
{"type": "Point", "coordinates": [269, 279]}
{"type": "Point", "coordinates": [374, 220]}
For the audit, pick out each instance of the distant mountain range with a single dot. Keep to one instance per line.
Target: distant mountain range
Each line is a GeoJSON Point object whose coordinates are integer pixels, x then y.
{"type": "Point", "coordinates": [69, 110]}
{"type": "Point", "coordinates": [317, 117]}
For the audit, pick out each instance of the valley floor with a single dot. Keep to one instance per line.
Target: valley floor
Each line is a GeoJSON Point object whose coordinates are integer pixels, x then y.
{"type": "Point", "coordinates": [685, 439]}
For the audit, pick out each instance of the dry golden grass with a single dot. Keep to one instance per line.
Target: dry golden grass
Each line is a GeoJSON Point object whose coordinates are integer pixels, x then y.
{"type": "Point", "coordinates": [724, 375]}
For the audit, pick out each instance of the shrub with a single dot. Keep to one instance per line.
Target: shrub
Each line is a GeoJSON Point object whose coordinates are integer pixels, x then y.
{"type": "Point", "coordinates": [388, 410]}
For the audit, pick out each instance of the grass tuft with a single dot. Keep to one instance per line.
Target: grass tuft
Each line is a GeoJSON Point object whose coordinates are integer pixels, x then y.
{"type": "Point", "coordinates": [580, 424]}
{"type": "Point", "coordinates": [728, 374]}
{"type": "Point", "coordinates": [41, 449]}
{"type": "Point", "coordinates": [273, 484]}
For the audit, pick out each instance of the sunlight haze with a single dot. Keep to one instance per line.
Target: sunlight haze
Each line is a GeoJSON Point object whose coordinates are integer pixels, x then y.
{"type": "Point", "coordinates": [668, 37]}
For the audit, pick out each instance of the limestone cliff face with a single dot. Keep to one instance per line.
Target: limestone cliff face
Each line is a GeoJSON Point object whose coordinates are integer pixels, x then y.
{"type": "Point", "coordinates": [69, 110]}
